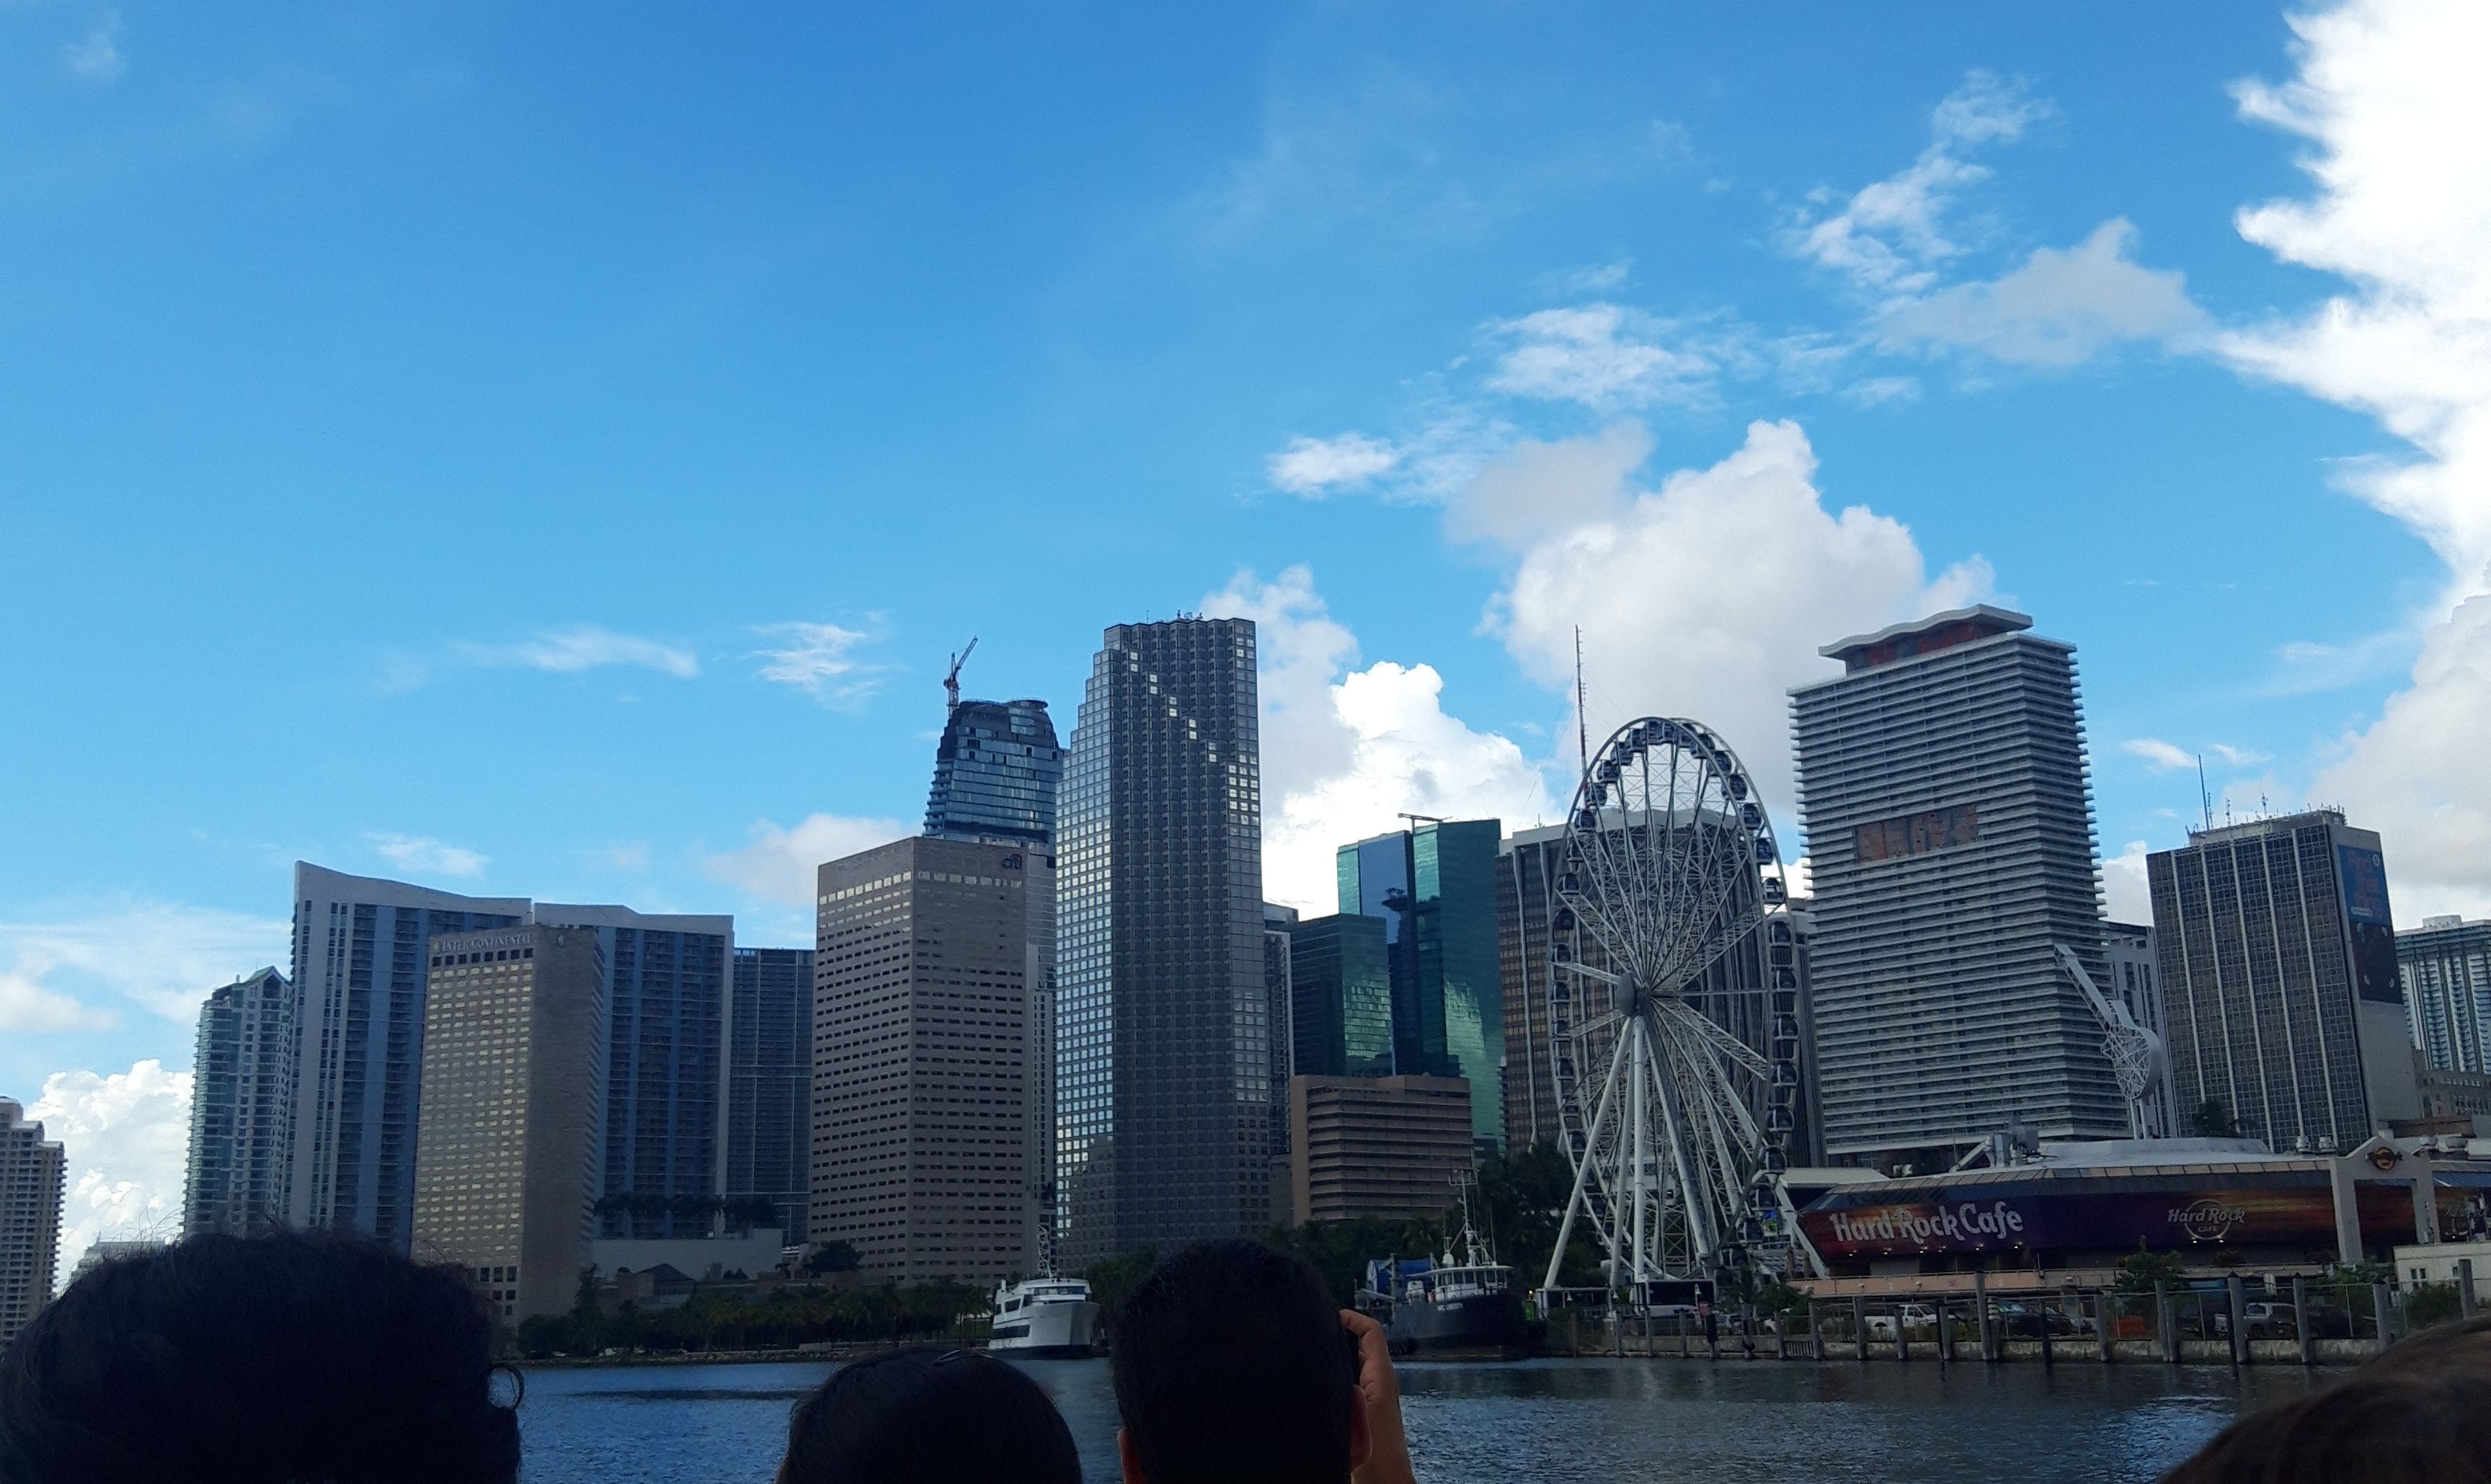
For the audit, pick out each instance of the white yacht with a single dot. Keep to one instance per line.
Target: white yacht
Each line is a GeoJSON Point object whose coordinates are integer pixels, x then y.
{"type": "Point", "coordinates": [1043, 1319]}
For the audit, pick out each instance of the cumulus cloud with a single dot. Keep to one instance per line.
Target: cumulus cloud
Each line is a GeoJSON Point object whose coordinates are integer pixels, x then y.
{"type": "Point", "coordinates": [420, 856]}
{"type": "Point", "coordinates": [1709, 596]}
{"type": "Point", "coordinates": [2389, 93]}
{"type": "Point", "coordinates": [1535, 488]}
{"type": "Point", "coordinates": [1889, 237]}
{"type": "Point", "coordinates": [1345, 750]}
{"type": "Point", "coordinates": [66, 965]}
{"type": "Point", "coordinates": [820, 660]}
{"type": "Point", "coordinates": [1318, 465]}
{"type": "Point", "coordinates": [584, 647]}
{"type": "Point", "coordinates": [124, 1136]}
{"type": "Point", "coordinates": [1599, 355]}
{"type": "Point", "coordinates": [2058, 309]}
{"type": "Point", "coordinates": [2125, 896]}
{"type": "Point", "coordinates": [779, 864]}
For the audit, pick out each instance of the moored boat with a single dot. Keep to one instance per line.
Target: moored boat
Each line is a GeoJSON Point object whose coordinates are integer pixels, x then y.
{"type": "Point", "coordinates": [1043, 1319]}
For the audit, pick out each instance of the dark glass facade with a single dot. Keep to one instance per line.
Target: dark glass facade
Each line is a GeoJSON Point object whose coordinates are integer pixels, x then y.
{"type": "Point", "coordinates": [1435, 887]}
{"type": "Point", "coordinates": [996, 771]}
{"type": "Point", "coordinates": [769, 1082]}
{"type": "Point", "coordinates": [1340, 998]}
{"type": "Point", "coordinates": [1164, 1118]}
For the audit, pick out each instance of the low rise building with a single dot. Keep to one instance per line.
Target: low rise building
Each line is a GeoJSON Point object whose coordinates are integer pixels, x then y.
{"type": "Point", "coordinates": [1376, 1146]}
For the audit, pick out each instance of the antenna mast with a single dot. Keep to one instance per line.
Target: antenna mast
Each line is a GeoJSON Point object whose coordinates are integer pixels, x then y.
{"type": "Point", "coordinates": [2205, 800]}
{"type": "Point", "coordinates": [951, 680]}
{"type": "Point", "coordinates": [1582, 727]}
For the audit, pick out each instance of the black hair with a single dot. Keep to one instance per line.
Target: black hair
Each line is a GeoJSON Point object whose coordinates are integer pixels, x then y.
{"type": "Point", "coordinates": [258, 1361]}
{"type": "Point", "coordinates": [1232, 1367]}
{"type": "Point", "coordinates": [2412, 1414]}
{"type": "Point", "coordinates": [926, 1415]}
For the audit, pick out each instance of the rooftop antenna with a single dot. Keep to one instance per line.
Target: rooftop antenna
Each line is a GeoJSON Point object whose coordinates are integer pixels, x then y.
{"type": "Point", "coordinates": [951, 680]}
{"type": "Point", "coordinates": [1582, 727]}
{"type": "Point", "coordinates": [2205, 800]}
{"type": "Point", "coordinates": [1420, 819]}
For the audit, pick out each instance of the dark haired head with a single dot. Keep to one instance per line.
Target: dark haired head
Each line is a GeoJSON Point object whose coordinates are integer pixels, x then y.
{"type": "Point", "coordinates": [2413, 1415]}
{"type": "Point", "coordinates": [1231, 1367]}
{"type": "Point", "coordinates": [928, 1416]}
{"type": "Point", "coordinates": [257, 1361]}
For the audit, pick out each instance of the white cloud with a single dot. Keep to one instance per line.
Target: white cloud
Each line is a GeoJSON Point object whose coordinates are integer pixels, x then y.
{"type": "Point", "coordinates": [1599, 355]}
{"type": "Point", "coordinates": [2059, 309]}
{"type": "Point", "coordinates": [1889, 237]}
{"type": "Point", "coordinates": [125, 1136]}
{"type": "Point", "coordinates": [1878, 391]}
{"type": "Point", "coordinates": [1318, 465]}
{"type": "Point", "coordinates": [2125, 895]}
{"type": "Point", "coordinates": [424, 856]}
{"type": "Point", "coordinates": [1709, 596]}
{"type": "Point", "coordinates": [2163, 755]}
{"type": "Point", "coordinates": [1345, 750]}
{"type": "Point", "coordinates": [2390, 94]}
{"type": "Point", "coordinates": [161, 955]}
{"type": "Point", "coordinates": [779, 864]}
{"type": "Point", "coordinates": [819, 659]}
{"type": "Point", "coordinates": [583, 646]}
{"type": "Point", "coordinates": [1535, 488]}
{"type": "Point", "coordinates": [1597, 279]}
{"type": "Point", "coordinates": [2236, 757]}
{"type": "Point", "coordinates": [96, 56]}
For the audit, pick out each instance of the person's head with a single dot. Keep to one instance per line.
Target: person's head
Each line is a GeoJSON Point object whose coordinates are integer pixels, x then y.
{"type": "Point", "coordinates": [928, 1416]}
{"type": "Point", "coordinates": [1231, 1367]}
{"type": "Point", "coordinates": [2412, 1416]}
{"type": "Point", "coordinates": [257, 1361]}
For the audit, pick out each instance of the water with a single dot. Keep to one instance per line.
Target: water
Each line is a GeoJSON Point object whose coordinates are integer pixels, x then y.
{"type": "Point", "coordinates": [1543, 1419]}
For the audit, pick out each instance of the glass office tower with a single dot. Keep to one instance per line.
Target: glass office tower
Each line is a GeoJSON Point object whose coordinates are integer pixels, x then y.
{"type": "Point", "coordinates": [239, 1102]}
{"type": "Point", "coordinates": [1163, 1048]}
{"type": "Point", "coordinates": [769, 1082]}
{"type": "Point", "coordinates": [1340, 993]}
{"type": "Point", "coordinates": [1435, 887]}
{"type": "Point", "coordinates": [995, 774]}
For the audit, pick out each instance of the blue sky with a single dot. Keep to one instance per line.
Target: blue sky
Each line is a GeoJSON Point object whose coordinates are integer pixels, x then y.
{"type": "Point", "coordinates": [548, 459]}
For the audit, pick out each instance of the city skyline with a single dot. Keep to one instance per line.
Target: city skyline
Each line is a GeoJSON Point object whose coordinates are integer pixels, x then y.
{"type": "Point", "coordinates": [415, 706]}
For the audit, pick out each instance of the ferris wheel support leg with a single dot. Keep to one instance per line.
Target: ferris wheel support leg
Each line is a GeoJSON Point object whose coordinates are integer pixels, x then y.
{"type": "Point", "coordinates": [1582, 1172]}
{"type": "Point", "coordinates": [1639, 1068]}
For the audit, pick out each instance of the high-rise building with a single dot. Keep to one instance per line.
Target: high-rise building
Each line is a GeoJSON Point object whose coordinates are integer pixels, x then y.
{"type": "Point", "coordinates": [505, 1163]}
{"type": "Point", "coordinates": [1385, 1148]}
{"type": "Point", "coordinates": [357, 1042]}
{"type": "Point", "coordinates": [1164, 1032]}
{"type": "Point", "coordinates": [770, 1083]}
{"type": "Point", "coordinates": [1528, 863]}
{"type": "Point", "coordinates": [995, 775]}
{"type": "Point", "coordinates": [1435, 887]}
{"type": "Point", "coordinates": [2281, 1000]}
{"type": "Point", "coordinates": [2444, 969]}
{"type": "Point", "coordinates": [666, 1065]}
{"type": "Point", "coordinates": [33, 1181]}
{"type": "Point", "coordinates": [1948, 816]}
{"type": "Point", "coordinates": [1341, 1013]}
{"type": "Point", "coordinates": [922, 1156]}
{"type": "Point", "coordinates": [241, 1095]}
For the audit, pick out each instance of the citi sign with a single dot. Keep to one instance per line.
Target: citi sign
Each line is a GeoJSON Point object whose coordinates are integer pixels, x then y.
{"type": "Point", "coordinates": [1969, 1222]}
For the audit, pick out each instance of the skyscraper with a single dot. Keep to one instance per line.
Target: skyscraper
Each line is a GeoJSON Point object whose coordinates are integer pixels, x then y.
{"type": "Point", "coordinates": [1340, 1013]}
{"type": "Point", "coordinates": [1949, 830]}
{"type": "Point", "coordinates": [665, 1063]}
{"type": "Point", "coordinates": [2281, 1000]}
{"type": "Point", "coordinates": [33, 1179]}
{"type": "Point", "coordinates": [923, 1157]}
{"type": "Point", "coordinates": [2444, 967]}
{"type": "Point", "coordinates": [1435, 887]}
{"type": "Point", "coordinates": [506, 1164]}
{"type": "Point", "coordinates": [357, 1042]}
{"type": "Point", "coordinates": [1163, 1045]}
{"type": "Point", "coordinates": [240, 1098]}
{"type": "Point", "coordinates": [769, 1082]}
{"type": "Point", "coordinates": [1528, 864]}
{"type": "Point", "coordinates": [995, 774]}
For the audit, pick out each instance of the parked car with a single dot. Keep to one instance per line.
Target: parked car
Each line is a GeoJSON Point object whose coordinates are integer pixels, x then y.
{"type": "Point", "coordinates": [2266, 1319]}
{"type": "Point", "coordinates": [2024, 1320]}
{"type": "Point", "coordinates": [1914, 1317]}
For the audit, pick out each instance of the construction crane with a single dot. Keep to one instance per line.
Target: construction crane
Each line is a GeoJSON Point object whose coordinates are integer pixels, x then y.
{"type": "Point", "coordinates": [2137, 1056]}
{"type": "Point", "coordinates": [951, 680]}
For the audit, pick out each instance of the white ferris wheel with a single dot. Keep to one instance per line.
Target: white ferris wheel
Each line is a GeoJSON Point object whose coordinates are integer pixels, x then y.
{"type": "Point", "coordinates": [1673, 1012]}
